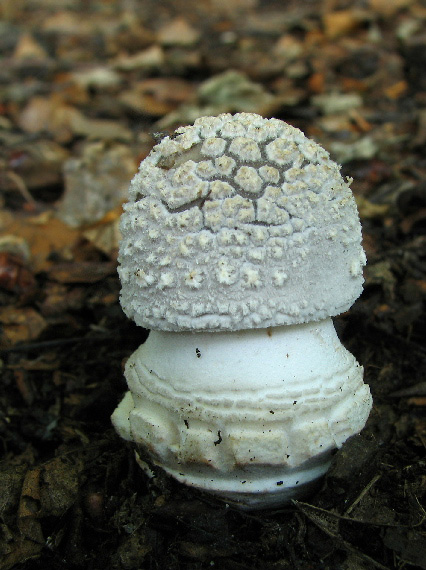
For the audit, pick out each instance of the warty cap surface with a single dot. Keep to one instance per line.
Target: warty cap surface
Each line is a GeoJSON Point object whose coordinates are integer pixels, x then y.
{"type": "Point", "coordinates": [238, 222]}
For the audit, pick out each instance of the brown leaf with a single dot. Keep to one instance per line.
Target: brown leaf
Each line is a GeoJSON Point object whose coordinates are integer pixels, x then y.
{"type": "Point", "coordinates": [178, 33]}
{"type": "Point", "coordinates": [421, 402]}
{"type": "Point", "coordinates": [409, 544]}
{"type": "Point", "coordinates": [95, 183]}
{"type": "Point", "coordinates": [29, 507]}
{"type": "Point", "coordinates": [387, 8]}
{"type": "Point", "coordinates": [35, 116]}
{"type": "Point", "coordinates": [38, 164]}
{"type": "Point", "coordinates": [409, 222]}
{"type": "Point", "coordinates": [59, 299]}
{"type": "Point", "coordinates": [59, 485]}
{"type": "Point", "coordinates": [28, 49]}
{"type": "Point", "coordinates": [342, 22]}
{"type": "Point", "coordinates": [20, 325]}
{"type": "Point", "coordinates": [158, 96]}
{"type": "Point", "coordinates": [45, 235]}
{"type": "Point", "coordinates": [67, 22]}
{"type": "Point", "coordinates": [81, 272]}
{"type": "Point", "coordinates": [64, 121]}
{"type": "Point", "coordinates": [150, 58]}
{"type": "Point", "coordinates": [381, 274]}
{"type": "Point", "coordinates": [368, 210]}
{"type": "Point", "coordinates": [396, 90]}
{"type": "Point", "coordinates": [105, 237]}
{"type": "Point", "coordinates": [20, 550]}
{"type": "Point", "coordinates": [24, 386]}
{"type": "Point", "coordinates": [14, 276]}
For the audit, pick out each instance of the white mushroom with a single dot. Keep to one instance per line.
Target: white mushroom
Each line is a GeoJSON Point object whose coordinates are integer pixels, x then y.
{"type": "Point", "coordinates": [240, 241]}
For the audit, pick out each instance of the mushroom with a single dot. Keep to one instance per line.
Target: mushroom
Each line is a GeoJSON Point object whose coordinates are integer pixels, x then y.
{"type": "Point", "coordinates": [240, 241]}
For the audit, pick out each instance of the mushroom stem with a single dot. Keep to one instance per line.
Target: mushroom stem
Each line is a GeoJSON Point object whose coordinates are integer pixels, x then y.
{"type": "Point", "coordinates": [252, 416]}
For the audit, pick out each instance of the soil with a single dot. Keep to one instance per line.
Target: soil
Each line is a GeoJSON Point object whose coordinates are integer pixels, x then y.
{"type": "Point", "coordinates": [84, 88]}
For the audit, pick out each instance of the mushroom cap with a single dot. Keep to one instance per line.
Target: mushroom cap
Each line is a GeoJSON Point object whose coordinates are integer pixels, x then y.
{"type": "Point", "coordinates": [238, 222]}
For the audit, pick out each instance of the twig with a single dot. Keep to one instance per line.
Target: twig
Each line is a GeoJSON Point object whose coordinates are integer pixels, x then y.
{"type": "Point", "coordinates": [362, 494]}
{"type": "Point", "coordinates": [52, 343]}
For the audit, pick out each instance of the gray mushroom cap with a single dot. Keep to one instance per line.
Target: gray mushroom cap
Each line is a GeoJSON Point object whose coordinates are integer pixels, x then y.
{"type": "Point", "coordinates": [238, 222]}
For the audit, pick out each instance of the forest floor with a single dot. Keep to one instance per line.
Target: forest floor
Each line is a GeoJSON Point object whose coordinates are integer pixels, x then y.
{"type": "Point", "coordinates": [84, 88]}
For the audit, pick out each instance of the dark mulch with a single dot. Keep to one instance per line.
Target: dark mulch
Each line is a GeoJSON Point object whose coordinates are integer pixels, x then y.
{"type": "Point", "coordinates": [108, 73]}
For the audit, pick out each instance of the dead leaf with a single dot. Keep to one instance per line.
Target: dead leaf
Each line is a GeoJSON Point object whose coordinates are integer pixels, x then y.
{"type": "Point", "coordinates": [59, 299]}
{"type": "Point", "coordinates": [104, 129]}
{"type": "Point", "coordinates": [28, 49]}
{"type": "Point", "coordinates": [63, 121]}
{"type": "Point", "coordinates": [157, 96]}
{"type": "Point", "coordinates": [59, 485]}
{"type": "Point", "coordinates": [20, 325]}
{"type": "Point", "coordinates": [328, 522]}
{"type": "Point", "coordinates": [416, 390]}
{"type": "Point", "coordinates": [150, 58]}
{"type": "Point", "coordinates": [335, 103]}
{"type": "Point", "coordinates": [45, 235]}
{"type": "Point", "coordinates": [105, 237]}
{"type": "Point", "coordinates": [225, 92]}
{"type": "Point", "coordinates": [20, 550]}
{"type": "Point", "coordinates": [316, 82]}
{"type": "Point", "coordinates": [29, 507]}
{"type": "Point", "coordinates": [396, 90]}
{"type": "Point", "coordinates": [178, 32]}
{"type": "Point", "coordinates": [15, 276]}
{"type": "Point", "coordinates": [37, 163]}
{"type": "Point", "coordinates": [67, 22]}
{"type": "Point", "coordinates": [387, 8]}
{"type": "Point", "coordinates": [81, 272]}
{"type": "Point", "coordinates": [381, 274]}
{"type": "Point", "coordinates": [368, 210]}
{"type": "Point", "coordinates": [99, 77]}
{"type": "Point", "coordinates": [409, 222]}
{"type": "Point", "coordinates": [421, 402]}
{"type": "Point", "coordinates": [410, 545]}
{"type": "Point", "coordinates": [24, 386]}
{"type": "Point", "coordinates": [95, 183]}
{"type": "Point", "coordinates": [342, 22]}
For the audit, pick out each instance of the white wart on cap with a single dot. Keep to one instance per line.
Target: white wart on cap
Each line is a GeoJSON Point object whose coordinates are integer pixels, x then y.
{"type": "Point", "coordinates": [238, 222]}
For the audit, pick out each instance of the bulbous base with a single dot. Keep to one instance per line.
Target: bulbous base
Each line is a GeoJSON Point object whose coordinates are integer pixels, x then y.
{"type": "Point", "coordinates": [251, 416]}
{"type": "Point", "coordinates": [265, 488]}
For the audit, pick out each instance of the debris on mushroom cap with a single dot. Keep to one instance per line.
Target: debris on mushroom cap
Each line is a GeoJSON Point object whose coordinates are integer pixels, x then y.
{"type": "Point", "coordinates": [238, 222]}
